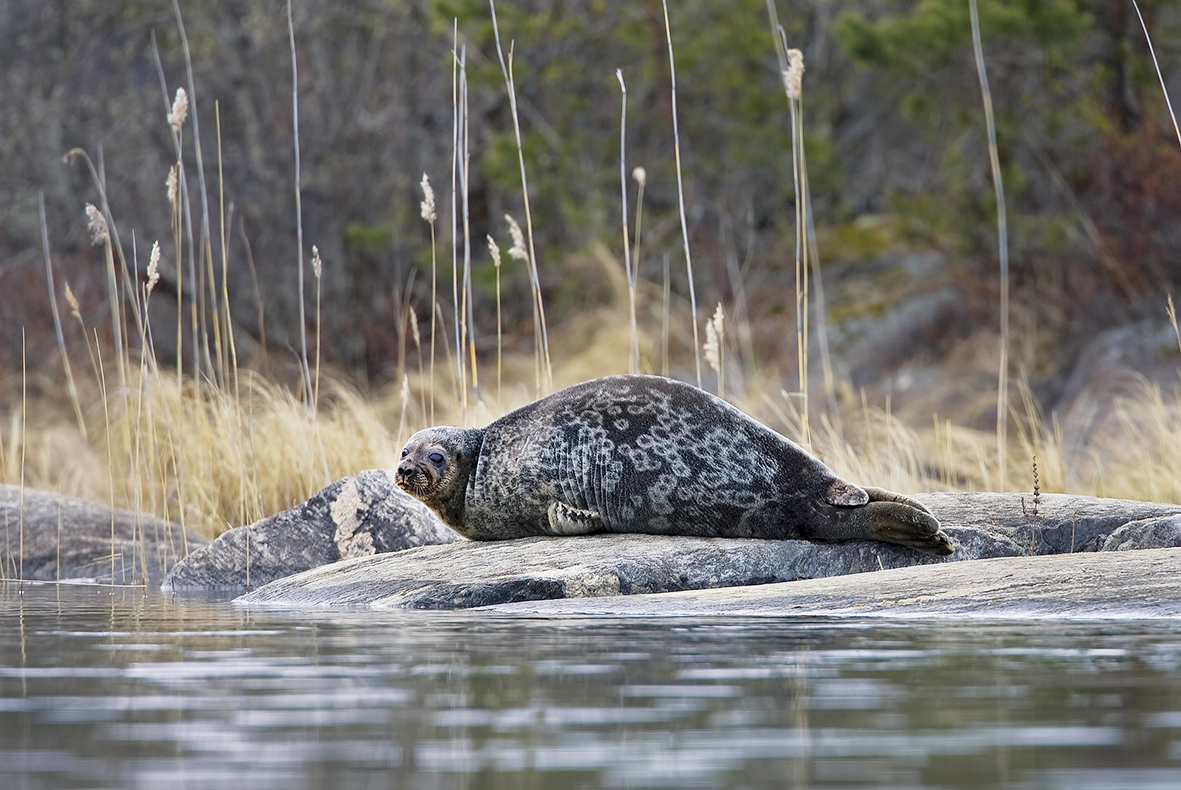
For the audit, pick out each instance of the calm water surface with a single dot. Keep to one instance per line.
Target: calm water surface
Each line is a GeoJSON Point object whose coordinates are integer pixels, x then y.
{"type": "Point", "coordinates": [104, 688]}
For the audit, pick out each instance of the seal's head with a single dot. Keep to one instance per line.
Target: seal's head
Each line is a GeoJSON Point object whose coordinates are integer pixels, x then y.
{"type": "Point", "coordinates": [434, 467]}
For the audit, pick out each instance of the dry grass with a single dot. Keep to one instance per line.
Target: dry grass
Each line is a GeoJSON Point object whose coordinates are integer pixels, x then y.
{"type": "Point", "coordinates": [234, 447]}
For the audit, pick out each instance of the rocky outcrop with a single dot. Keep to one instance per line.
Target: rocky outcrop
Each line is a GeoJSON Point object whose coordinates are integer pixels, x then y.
{"type": "Point", "coordinates": [1149, 533]}
{"type": "Point", "coordinates": [482, 574]}
{"type": "Point", "coordinates": [1052, 523]}
{"type": "Point", "coordinates": [1099, 585]}
{"type": "Point", "coordinates": [354, 517]}
{"type": "Point", "coordinates": [49, 537]}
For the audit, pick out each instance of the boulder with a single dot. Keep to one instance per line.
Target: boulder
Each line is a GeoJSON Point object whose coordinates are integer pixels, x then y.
{"type": "Point", "coordinates": [473, 574]}
{"type": "Point", "coordinates": [1149, 533]}
{"type": "Point", "coordinates": [49, 537]}
{"type": "Point", "coordinates": [354, 517]}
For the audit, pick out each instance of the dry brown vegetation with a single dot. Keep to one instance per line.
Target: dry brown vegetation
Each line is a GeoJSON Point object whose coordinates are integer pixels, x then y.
{"type": "Point", "coordinates": [222, 434]}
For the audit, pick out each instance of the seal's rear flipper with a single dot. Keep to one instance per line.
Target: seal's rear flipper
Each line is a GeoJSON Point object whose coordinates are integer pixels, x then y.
{"type": "Point", "coordinates": [567, 520]}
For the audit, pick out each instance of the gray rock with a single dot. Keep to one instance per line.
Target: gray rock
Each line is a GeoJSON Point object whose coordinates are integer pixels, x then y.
{"type": "Point", "coordinates": [1058, 524]}
{"type": "Point", "coordinates": [354, 517]}
{"type": "Point", "coordinates": [481, 574]}
{"type": "Point", "coordinates": [49, 537]}
{"type": "Point", "coordinates": [1101, 585]}
{"type": "Point", "coordinates": [1149, 533]}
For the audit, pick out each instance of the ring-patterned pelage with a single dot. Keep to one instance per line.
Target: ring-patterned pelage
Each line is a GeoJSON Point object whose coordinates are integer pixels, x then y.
{"type": "Point", "coordinates": [650, 455]}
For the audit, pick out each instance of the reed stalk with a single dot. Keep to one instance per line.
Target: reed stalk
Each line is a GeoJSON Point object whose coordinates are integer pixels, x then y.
{"type": "Point", "coordinates": [1002, 404]}
{"type": "Point", "coordinates": [71, 387]}
{"type": "Point", "coordinates": [460, 379]}
{"type": "Point", "coordinates": [791, 69]}
{"type": "Point", "coordinates": [200, 335]}
{"type": "Point", "coordinates": [468, 310]}
{"type": "Point", "coordinates": [232, 363]}
{"type": "Point", "coordinates": [672, 73]}
{"type": "Point", "coordinates": [544, 374]}
{"type": "Point", "coordinates": [24, 444]}
{"type": "Point", "coordinates": [633, 356]}
{"type": "Point", "coordinates": [303, 326]}
{"type": "Point", "coordinates": [641, 178]}
{"type": "Point", "coordinates": [1156, 64]}
{"type": "Point", "coordinates": [427, 211]}
{"type": "Point", "coordinates": [494, 251]}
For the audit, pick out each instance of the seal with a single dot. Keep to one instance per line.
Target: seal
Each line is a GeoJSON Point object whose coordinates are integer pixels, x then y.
{"type": "Point", "coordinates": [650, 455]}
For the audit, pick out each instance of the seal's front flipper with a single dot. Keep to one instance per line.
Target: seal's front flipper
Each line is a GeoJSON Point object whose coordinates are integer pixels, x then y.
{"type": "Point", "coordinates": [567, 520]}
{"type": "Point", "coordinates": [882, 495]}
{"type": "Point", "coordinates": [907, 524]}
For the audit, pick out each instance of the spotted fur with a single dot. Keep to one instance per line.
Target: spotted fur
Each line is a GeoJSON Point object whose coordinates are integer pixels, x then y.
{"type": "Point", "coordinates": [651, 455]}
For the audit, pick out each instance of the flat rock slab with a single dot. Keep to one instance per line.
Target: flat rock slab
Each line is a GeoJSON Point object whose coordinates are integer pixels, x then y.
{"type": "Point", "coordinates": [1104, 585]}
{"type": "Point", "coordinates": [474, 574]}
{"type": "Point", "coordinates": [470, 574]}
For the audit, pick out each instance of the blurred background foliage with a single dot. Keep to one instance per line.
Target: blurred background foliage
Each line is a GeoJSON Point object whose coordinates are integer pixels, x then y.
{"type": "Point", "coordinates": [895, 140]}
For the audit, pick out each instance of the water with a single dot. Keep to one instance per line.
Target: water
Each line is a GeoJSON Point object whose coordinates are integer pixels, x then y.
{"type": "Point", "coordinates": [104, 688]}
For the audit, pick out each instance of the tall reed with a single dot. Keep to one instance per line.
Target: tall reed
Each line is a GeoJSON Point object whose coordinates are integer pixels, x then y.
{"type": "Point", "coordinates": [1002, 229]}
{"type": "Point", "coordinates": [1159, 75]}
{"type": "Point", "coordinates": [494, 251]}
{"type": "Point", "coordinates": [427, 211]}
{"type": "Point", "coordinates": [71, 387]}
{"type": "Point", "coordinates": [672, 73]}
{"type": "Point", "coordinates": [791, 69]}
{"type": "Point", "coordinates": [303, 325]}
{"type": "Point", "coordinates": [633, 356]}
{"type": "Point", "coordinates": [543, 371]}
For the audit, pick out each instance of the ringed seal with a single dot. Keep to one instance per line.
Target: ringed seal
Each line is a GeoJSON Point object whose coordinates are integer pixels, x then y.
{"type": "Point", "coordinates": [650, 455]}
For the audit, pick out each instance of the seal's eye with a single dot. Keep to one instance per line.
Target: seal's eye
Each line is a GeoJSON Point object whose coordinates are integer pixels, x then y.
{"type": "Point", "coordinates": [405, 451]}
{"type": "Point", "coordinates": [436, 457]}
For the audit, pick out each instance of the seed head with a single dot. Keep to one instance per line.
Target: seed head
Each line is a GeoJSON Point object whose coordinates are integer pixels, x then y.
{"type": "Point", "coordinates": [72, 301]}
{"type": "Point", "coordinates": [172, 185]}
{"type": "Point", "coordinates": [517, 251]}
{"type": "Point", "coordinates": [715, 335]}
{"type": "Point", "coordinates": [180, 110]}
{"type": "Point", "coordinates": [317, 265]}
{"type": "Point", "coordinates": [793, 78]}
{"type": "Point", "coordinates": [97, 224]}
{"type": "Point", "coordinates": [494, 249]}
{"type": "Point", "coordinates": [640, 175]}
{"type": "Point", "coordinates": [154, 267]}
{"type": "Point", "coordinates": [428, 200]}
{"type": "Point", "coordinates": [414, 328]}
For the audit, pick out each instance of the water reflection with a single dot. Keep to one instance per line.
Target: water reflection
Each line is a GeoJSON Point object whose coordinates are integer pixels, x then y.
{"type": "Point", "coordinates": [114, 688]}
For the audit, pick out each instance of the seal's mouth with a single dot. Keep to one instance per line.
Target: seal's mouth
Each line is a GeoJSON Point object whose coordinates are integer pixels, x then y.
{"type": "Point", "coordinates": [413, 480]}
